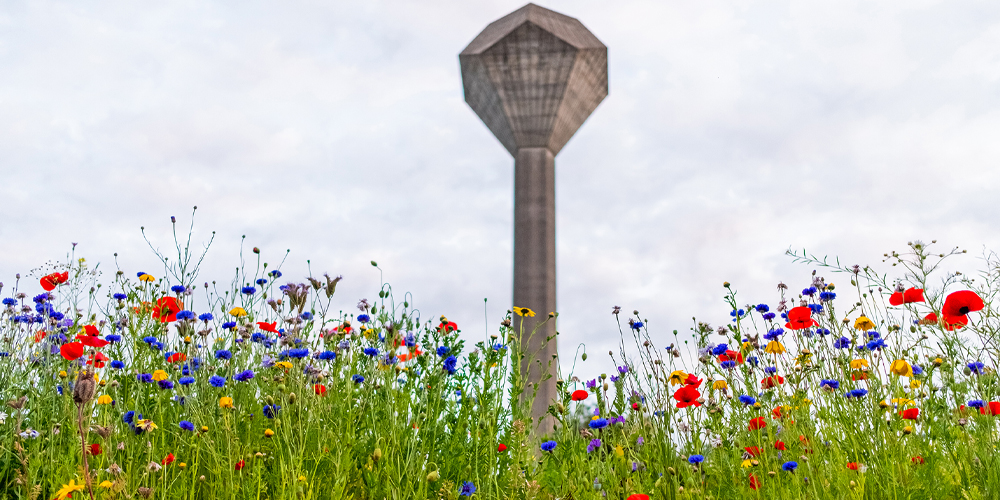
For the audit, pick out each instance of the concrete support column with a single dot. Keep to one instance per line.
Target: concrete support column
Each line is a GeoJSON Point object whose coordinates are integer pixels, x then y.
{"type": "Point", "coordinates": [535, 272]}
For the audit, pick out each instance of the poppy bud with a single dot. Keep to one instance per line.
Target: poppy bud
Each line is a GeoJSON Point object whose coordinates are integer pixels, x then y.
{"type": "Point", "coordinates": [584, 356]}
{"type": "Point", "coordinates": [256, 250]}
{"type": "Point", "coordinates": [377, 454]}
{"type": "Point", "coordinates": [291, 398]}
{"type": "Point", "coordinates": [433, 476]}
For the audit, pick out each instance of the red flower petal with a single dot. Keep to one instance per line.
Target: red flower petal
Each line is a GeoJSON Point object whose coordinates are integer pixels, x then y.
{"type": "Point", "coordinates": [961, 303]}
{"type": "Point", "coordinates": [91, 330]}
{"type": "Point", "coordinates": [692, 381]}
{"type": "Point", "coordinates": [92, 341]}
{"type": "Point", "coordinates": [580, 395]}
{"type": "Point", "coordinates": [503, 447]}
{"type": "Point", "coordinates": [896, 299]}
{"type": "Point", "coordinates": [910, 413]}
{"type": "Point", "coordinates": [71, 351]}
{"type": "Point", "coordinates": [913, 295]}
{"type": "Point", "coordinates": [994, 407]}
{"type": "Point", "coordinates": [167, 308]}
{"type": "Point", "coordinates": [757, 424]}
{"type": "Point", "coordinates": [687, 396]}
{"type": "Point", "coordinates": [268, 327]}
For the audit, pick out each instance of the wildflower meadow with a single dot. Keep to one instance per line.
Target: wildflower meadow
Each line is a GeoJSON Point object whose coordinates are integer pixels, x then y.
{"type": "Point", "coordinates": [136, 383]}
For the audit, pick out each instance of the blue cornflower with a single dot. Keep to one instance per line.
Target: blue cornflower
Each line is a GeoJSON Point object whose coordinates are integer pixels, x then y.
{"type": "Point", "coordinates": [696, 459]}
{"type": "Point", "coordinates": [623, 369]}
{"type": "Point", "coordinates": [468, 488]}
{"type": "Point", "coordinates": [753, 360]}
{"type": "Point", "coordinates": [857, 393]}
{"type": "Point", "coordinates": [243, 376]}
{"type": "Point", "coordinates": [119, 296]}
{"type": "Point", "coordinates": [206, 317]}
{"type": "Point", "coordinates": [128, 417]}
{"type": "Point", "coordinates": [217, 381]}
{"type": "Point", "coordinates": [327, 356]}
{"type": "Point", "coordinates": [40, 298]}
{"type": "Point", "coordinates": [637, 325]}
{"type": "Point", "coordinates": [389, 359]}
{"type": "Point", "coordinates": [257, 337]}
{"type": "Point", "coordinates": [371, 352]}
{"type": "Point", "coordinates": [182, 315]}
{"type": "Point", "coordinates": [186, 380]}
{"type": "Point", "coordinates": [842, 343]}
{"type": "Point", "coordinates": [410, 340]}
{"type": "Point", "coordinates": [149, 339]}
{"type": "Point", "coordinates": [872, 334]}
{"type": "Point", "coordinates": [306, 316]}
{"type": "Point", "coordinates": [298, 353]}
{"type": "Point", "coordinates": [357, 379]}
{"type": "Point", "coordinates": [728, 364]}
{"type": "Point", "coordinates": [789, 466]}
{"type": "Point", "coordinates": [737, 314]}
{"type": "Point", "coordinates": [9, 302]}
{"type": "Point", "coordinates": [976, 403]}
{"type": "Point", "coordinates": [823, 331]}
{"type": "Point", "coordinates": [229, 325]}
{"type": "Point", "coordinates": [774, 333]}
{"type": "Point", "coordinates": [166, 384]}
{"type": "Point", "coordinates": [271, 410]}
{"type": "Point", "coordinates": [364, 318]}
{"type": "Point", "coordinates": [177, 289]}
{"type": "Point", "coordinates": [117, 365]}
{"type": "Point", "coordinates": [443, 351]}
{"type": "Point", "coordinates": [187, 426]}
{"type": "Point", "coordinates": [829, 384]}
{"type": "Point", "coordinates": [976, 367]}
{"type": "Point", "coordinates": [876, 344]}
{"type": "Point", "coordinates": [114, 337]}
{"type": "Point", "coordinates": [917, 369]}
{"type": "Point", "coordinates": [762, 308]}
{"type": "Point", "coordinates": [768, 316]}
{"type": "Point", "coordinates": [548, 446]}
{"type": "Point", "coordinates": [827, 296]}
{"type": "Point", "coordinates": [145, 378]}
{"type": "Point", "coordinates": [223, 354]}
{"type": "Point", "coordinates": [261, 282]}
{"type": "Point", "coordinates": [771, 370]}
{"type": "Point", "coordinates": [810, 291]}
{"type": "Point", "coordinates": [248, 290]}
{"type": "Point", "coordinates": [720, 349]}
{"type": "Point", "coordinates": [275, 274]}
{"type": "Point", "coordinates": [450, 365]}
{"type": "Point", "coordinates": [594, 445]}
{"type": "Point", "coordinates": [748, 400]}
{"type": "Point", "coordinates": [598, 423]}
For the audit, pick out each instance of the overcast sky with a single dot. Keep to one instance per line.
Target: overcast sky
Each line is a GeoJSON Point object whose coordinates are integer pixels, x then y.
{"type": "Point", "coordinates": [733, 131]}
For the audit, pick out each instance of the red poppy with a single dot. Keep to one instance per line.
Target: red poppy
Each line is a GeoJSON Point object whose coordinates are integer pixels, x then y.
{"type": "Point", "coordinates": [87, 340]}
{"type": "Point", "coordinates": [53, 280]}
{"type": "Point", "coordinates": [39, 335]}
{"type": "Point", "coordinates": [167, 460]}
{"type": "Point", "coordinates": [91, 330]}
{"type": "Point", "coordinates": [636, 406]}
{"type": "Point", "coordinates": [853, 465]}
{"type": "Point", "coordinates": [692, 381]}
{"type": "Point", "coordinates": [177, 357]}
{"type": "Point", "coordinates": [319, 389]}
{"type": "Point", "coordinates": [961, 303]}
{"type": "Point", "coordinates": [268, 327]}
{"type": "Point", "coordinates": [239, 465]}
{"type": "Point", "coordinates": [753, 451]}
{"type": "Point", "coordinates": [776, 412]}
{"type": "Point", "coordinates": [780, 445]}
{"type": "Point", "coordinates": [909, 296]}
{"type": "Point", "coordinates": [950, 323]}
{"type": "Point", "coordinates": [754, 482]}
{"type": "Point", "coordinates": [638, 496]}
{"type": "Point", "coordinates": [772, 381]}
{"type": "Point", "coordinates": [412, 354]}
{"type": "Point", "coordinates": [167, 308]}
{"type": "Point", "coordinates": [447, 327]}
{"type": "Point", "coordinates": [859, 375]}
{"type": "Point", "coordinates": [799, 318]}
{"type": "Point", "coordinates": [502, 447]}
{"type": "Point", "coordinates": [71, 351]}
{"type": "Point", "coordinates": [95, 449]}
{"type": "Point", "coordinates": [758, 423]}
{"type": "Point", "coordinates": [731, 355]}
{"type": "Point", "coordinates": [687, 396]}
{"type": "Point", "coordinates": [910, 413]}
{"type": "Point", "coordinates": [98, 360]}
{"type": "Point", "coordinates": [994, 407]}
{"type": "Point", "coordinates": [580, 395]}
{"type": "Point", "coordinates": [917, 459]}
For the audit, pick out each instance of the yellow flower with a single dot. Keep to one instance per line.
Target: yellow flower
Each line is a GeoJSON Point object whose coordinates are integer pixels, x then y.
{"type": "Point", "coordinates": [774, 347]}
{"type": "Point", "coordinates": [678, 377]}
{"type": "Point", "coordinates": [182, 465]}
{"type": "Point", "coordinates": [902, 368]}
{"type": "Point", "coordinates": [907, 429]}
{"type": "Point", "coordinates": [746, 463]}
{"type": "Point", "coordinates": [204, 428]}
{"type": "Point", "coordinates": [524, 311]}
{"type": "Point", "coordinates": [720, 384]}
{"type": "Point", "coordinates": [858, 364]}
{"type": "Point", "coordinates": [268, 433]}
{"type": "Point", "coordinates": [146, 424]}
{"type": "Point", "coordinates": [67, 489]}
{"type": "Point", "coordinates": [756, 405]}
{"type": "Point", "coordinates": [903, 402]}
{"type": "Point", "coordinates": [863, 323]}
{"type": "Point", "coordinates": [104, 399]}
{"type": "Point", "coordinates": [62, 374]}
{"type": "Point", "coordinates": [619, 451]}
{"type": "Point", "coordinates": [146, 277]}
{"type": "Point", "coordinates": [106, 484]}
{"type": "Point", "coordinates": [159, 375]}
{"type": "Point", "coordinates": [239, 312]}
{"type": "Point", "coordinates": [914, 383]}
{"type": "Point", "coordinates": [225, 402]}
{"type": "Point", "coordinates": [283, 364]}
{"type": "Point", "coordinates": [804, 359]}
{"type": "Point", "coordinates": [302, 479]}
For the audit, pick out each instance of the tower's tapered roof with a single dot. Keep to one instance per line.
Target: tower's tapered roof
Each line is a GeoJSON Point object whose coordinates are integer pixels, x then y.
{"type": "Point", "coordinates": [534, 76]}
